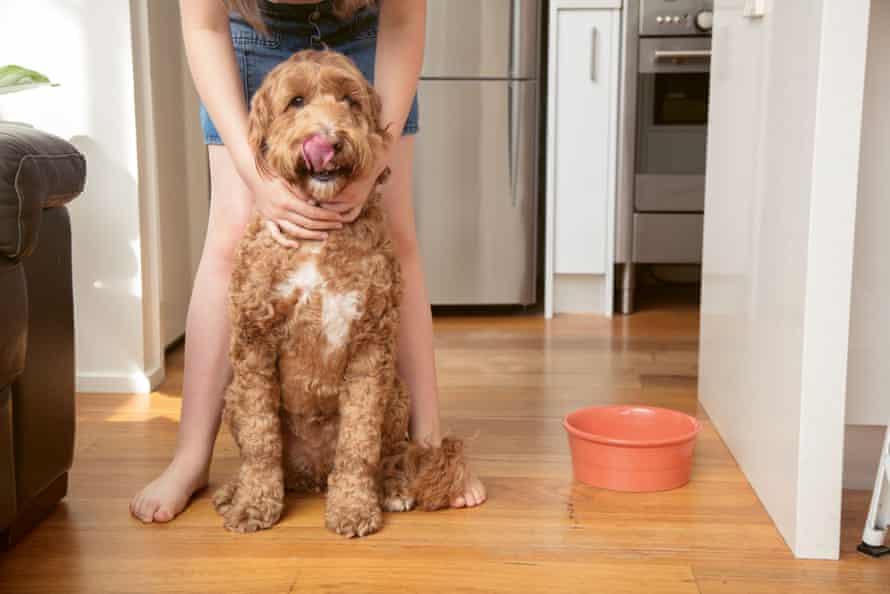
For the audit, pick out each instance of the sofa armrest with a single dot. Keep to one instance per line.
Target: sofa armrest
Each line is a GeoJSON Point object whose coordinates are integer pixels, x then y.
{"type": "Point", "coordinates": [37, 171]}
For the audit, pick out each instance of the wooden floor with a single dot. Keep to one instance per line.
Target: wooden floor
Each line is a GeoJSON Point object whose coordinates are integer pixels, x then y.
{"type": "Point", "coordinates": [509, 380]}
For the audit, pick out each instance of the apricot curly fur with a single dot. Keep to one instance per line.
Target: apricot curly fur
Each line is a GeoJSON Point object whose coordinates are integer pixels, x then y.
{"type": "Point", "coordinates": [315, 402]}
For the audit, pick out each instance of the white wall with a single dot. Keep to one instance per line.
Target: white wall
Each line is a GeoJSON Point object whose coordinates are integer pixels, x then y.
{"type": "Point", "coordinates": [783, 152]}
{"type": "Point", "coordinates": [183, 183]}
{"type": "Point", "coordinates": [87, 47]}
{"type": "Point", "coordinates": [868, 384]}
{"type": "Point", "coordinates": [136, 142]}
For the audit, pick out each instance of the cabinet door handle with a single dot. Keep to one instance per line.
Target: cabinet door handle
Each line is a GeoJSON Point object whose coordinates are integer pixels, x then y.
{"type": "Point", "coordinates": [593, 54]}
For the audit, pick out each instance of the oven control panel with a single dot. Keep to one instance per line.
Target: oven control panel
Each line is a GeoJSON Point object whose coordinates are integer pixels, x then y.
{"type": "Point", "coordinates": [668, 18]}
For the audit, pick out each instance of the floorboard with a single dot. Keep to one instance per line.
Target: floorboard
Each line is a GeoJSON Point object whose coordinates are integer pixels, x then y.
{"type": "Point", "coordinates": [506, 384]}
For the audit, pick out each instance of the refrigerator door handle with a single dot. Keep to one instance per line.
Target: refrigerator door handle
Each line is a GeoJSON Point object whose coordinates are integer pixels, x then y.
{"type": "Point", "coordinates": [513, 137]}
{"type": "Point", "coordinates": [515, 38]}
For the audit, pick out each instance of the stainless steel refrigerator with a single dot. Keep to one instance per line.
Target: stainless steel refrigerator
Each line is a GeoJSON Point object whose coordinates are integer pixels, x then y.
{"type": "Point", "coordinates": [475, 177]}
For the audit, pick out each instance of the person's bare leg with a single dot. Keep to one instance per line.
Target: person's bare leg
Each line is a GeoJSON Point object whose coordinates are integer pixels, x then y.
{"type": "Point", "coordinates": [207, 370]}
{"type": "Point", "coordinates": [417, 363]}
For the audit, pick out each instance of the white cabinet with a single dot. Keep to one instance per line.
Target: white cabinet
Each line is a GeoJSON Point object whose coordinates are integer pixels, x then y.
{"type": "Point", "coordinates": [584, 60]}
{"type": "Point", "coordinates": [785, 114]}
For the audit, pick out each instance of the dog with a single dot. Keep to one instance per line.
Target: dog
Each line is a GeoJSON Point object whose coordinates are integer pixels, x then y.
{"type": "Point", "coordinates": [315, 402]}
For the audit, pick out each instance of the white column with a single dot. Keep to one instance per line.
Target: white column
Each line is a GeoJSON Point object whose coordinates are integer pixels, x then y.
{"type": "Point", "coordinates": [783, 162]}
{"type": "Point", "coordinates": [868, 383]}
{"type": "Point", "coordinates": [100, 56]}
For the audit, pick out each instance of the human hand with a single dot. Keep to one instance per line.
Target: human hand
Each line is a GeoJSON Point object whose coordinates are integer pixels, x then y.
{"type": "Point", "coordinates": [288, 214]}
{"type": "Point", "coordinates": [351, 199]}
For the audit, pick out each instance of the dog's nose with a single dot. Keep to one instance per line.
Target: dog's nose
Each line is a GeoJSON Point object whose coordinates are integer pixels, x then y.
{"type": "Point", "coordinates": [318, 151]}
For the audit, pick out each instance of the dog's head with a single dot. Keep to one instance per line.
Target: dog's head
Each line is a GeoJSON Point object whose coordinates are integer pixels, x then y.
{"type": "Point", "coordinates": [315, 123]}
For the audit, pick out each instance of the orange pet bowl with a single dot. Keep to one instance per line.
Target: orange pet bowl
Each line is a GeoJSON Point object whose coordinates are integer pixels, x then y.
{"type": "Point", "coordinates": [631, 448]}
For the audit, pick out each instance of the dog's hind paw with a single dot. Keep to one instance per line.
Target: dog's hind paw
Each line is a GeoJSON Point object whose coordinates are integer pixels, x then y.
{"type": "Point", "coordinates": [354, 522]}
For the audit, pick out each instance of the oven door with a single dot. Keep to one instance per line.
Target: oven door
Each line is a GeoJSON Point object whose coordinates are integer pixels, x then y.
{"type": "Point", "coordinates": [672, 118]}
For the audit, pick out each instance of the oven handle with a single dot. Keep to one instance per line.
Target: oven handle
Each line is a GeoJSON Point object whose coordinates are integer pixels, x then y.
{"type": "Point", "coordinates": [680, 54]}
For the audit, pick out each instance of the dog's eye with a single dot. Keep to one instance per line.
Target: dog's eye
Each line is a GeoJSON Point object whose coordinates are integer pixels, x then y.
{"type": "Point", "coordinates": [297, 101]}
{"type": "Point", "coordinates": [350, 101]}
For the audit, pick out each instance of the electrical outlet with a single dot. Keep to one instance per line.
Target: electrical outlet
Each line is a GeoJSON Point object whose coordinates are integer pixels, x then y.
{"type": "Point", "coordinates": [754, 9]}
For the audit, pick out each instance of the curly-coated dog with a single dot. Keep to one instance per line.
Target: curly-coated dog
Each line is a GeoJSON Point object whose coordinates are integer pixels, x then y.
{"type": "Point", "coordinates": [315, 402]}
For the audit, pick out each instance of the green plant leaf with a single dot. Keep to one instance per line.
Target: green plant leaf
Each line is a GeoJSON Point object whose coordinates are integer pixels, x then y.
{"type": "Point", "coordinates": [16, 78]}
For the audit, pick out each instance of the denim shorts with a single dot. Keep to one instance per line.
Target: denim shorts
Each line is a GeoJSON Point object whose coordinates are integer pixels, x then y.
{"type": "Point", "coordinates": [295, 27]}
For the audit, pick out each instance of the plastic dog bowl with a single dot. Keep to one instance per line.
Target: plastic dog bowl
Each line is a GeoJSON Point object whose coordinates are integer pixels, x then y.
{"type": "Point", "coordinates": [631, 448]}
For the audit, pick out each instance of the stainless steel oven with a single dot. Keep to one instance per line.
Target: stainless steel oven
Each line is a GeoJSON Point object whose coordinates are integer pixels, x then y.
{"type": "Point", "coordinates": [672, 119]}
{"type": "Point", "coordinates": [665, 199]}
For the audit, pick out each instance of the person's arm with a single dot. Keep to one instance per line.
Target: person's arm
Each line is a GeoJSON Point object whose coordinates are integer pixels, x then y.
{"type": "Point", "coordinates": [400, 43]}
{"type": "Point", "coordinates": [208, 45]}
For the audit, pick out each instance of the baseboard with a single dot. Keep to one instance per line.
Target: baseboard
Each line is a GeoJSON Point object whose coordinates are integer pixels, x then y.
{"type": "Point", "coordinates": [862, 450]}
{"type": "Point", "coordinates": [119, 383]}
{"type": "Point", "coordinates": [579, 293]}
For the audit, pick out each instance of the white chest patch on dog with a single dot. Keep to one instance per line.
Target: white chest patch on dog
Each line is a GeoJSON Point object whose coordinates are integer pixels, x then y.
{"type": "Point", "coordinates": [305, 278]}
{"type": "Point", "coordinates": [338, 311]}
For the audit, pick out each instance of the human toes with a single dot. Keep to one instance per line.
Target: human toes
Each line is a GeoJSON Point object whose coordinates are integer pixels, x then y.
{"type": "Point", "coordinates": [478, 495]}
{"type": "Point", "coordinates": [474, 493]}
{"type": "Point", "coordinates": [136, 505]}
{"type": "Point", "coordinates": [163, 514]}
{"type": "Point", "coordinates": [147, 508]}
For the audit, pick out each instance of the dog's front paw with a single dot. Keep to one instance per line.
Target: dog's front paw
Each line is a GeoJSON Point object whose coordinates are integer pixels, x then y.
{"type": "Point", "coordinates": [353, 506]}
{"type": "Point", "coordinates": [352, 521]}
{"type": "Point", "coordinates": [248, 510]}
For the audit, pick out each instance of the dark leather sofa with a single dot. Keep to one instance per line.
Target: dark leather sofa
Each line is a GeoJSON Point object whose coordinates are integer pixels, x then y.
{"type": "Point", "coordinates": [39, 175]}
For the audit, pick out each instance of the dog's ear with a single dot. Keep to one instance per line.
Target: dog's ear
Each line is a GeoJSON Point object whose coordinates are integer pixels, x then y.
{"type": "Point", "coordinates": [258, 122]}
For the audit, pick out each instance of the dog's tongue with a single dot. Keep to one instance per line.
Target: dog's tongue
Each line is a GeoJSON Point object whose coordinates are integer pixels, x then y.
{"type": "Point", "coordinates": [318, 152]}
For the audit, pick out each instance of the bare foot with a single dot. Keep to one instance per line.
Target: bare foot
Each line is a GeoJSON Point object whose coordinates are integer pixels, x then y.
{"type": "Point", "coordinates": [166, 496]}
{"type": "Point", "coordinates": [474, 492]}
